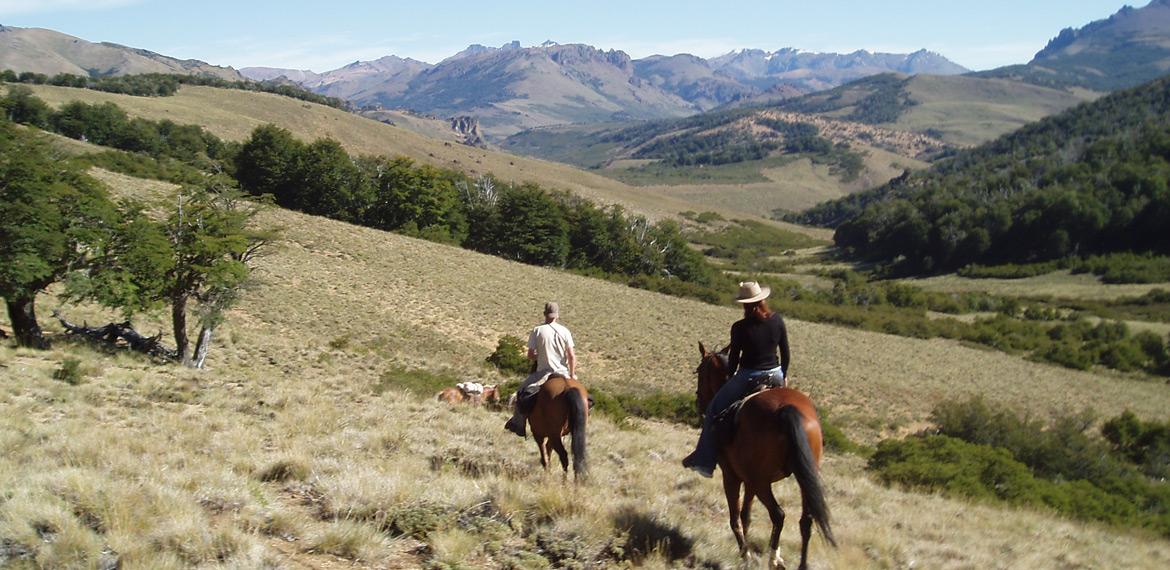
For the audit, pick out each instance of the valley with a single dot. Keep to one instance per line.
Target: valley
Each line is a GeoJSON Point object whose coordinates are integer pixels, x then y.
{"type": "Point", "coordinates": [972, 268]}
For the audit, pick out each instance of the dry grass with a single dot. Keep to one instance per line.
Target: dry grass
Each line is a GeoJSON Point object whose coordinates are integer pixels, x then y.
{"type": "Point", "coordinates": [293, 450]}
{"type": "Point", "coordinates": [1060, 284]}
{"type": "Point", "coordinates": [968, 111]}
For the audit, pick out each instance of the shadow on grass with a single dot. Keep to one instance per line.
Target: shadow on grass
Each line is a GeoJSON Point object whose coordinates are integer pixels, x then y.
{"type": "Point", "coordinates": [647, 535]}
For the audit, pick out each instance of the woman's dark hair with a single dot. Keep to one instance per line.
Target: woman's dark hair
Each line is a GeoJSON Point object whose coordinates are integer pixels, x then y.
{"type": "Point", "coordinates": [758, 310]}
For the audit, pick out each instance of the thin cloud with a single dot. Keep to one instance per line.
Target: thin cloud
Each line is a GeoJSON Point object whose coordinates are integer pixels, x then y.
{"type": "Point", "coordinates": [9, 7]}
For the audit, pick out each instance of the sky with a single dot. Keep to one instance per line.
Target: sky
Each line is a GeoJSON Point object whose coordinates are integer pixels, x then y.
{"type": "Point", "coordinates": [321, 36]}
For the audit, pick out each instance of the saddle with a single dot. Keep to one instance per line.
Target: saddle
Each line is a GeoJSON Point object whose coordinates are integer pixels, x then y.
{"type": "Point", "coordinates": [526, 399]}
{"type": "Point", "coordinates": [725, 421]}
{"type": "Point", "coordinates": [470, 389]}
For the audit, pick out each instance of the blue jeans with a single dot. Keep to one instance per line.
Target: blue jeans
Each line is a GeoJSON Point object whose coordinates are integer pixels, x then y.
{"type": "Point", "coordinates": [735, 389]}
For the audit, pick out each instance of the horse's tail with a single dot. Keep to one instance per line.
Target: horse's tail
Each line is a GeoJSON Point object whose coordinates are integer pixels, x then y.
{"type": "Point", "coordinates": [804, 467]}
{"type": "Point", "coordinates": [578, 408]}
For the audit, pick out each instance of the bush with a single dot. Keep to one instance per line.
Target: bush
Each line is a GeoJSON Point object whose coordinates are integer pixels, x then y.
{"type": "Point", "coordinates": [510, 356]}
{"type": "Point", "coordinates": [951, 465]}
{"type": "Point", "coordinates": [1147, 444]}
{"type": "Point", "coordinates": [955, 467]}
{"type": "Point", "coordinates": [70, 372]}
{"type": "Point", "coordinates": [984, 453]}
{"type": "Point", "coordinates": [834, 438]}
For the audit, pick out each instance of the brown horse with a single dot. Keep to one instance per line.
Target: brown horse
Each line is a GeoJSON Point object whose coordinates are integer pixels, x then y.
{"type": "Point", "coordinates": [453, 395]}
{"type": "Point", "coordinates": [562, 407]}
{"type": "Point", "coordinates": [777, 435]}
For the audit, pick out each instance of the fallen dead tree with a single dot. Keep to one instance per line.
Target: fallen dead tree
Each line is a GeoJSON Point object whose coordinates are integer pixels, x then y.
{"type": "Point", "coordinates": [121, 335]}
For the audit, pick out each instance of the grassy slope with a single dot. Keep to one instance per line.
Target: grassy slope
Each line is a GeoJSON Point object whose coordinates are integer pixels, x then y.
{"type": "Point", "coordinates": [163, 460]}
{"type": "Point", "coordinates": [232, 114]}
{"type": "Point", "coordinates": [793, 185]}
{"type": "Point", "coordinates": [434, 128]}
{"type": "Point", "coordinates": [969, 111]}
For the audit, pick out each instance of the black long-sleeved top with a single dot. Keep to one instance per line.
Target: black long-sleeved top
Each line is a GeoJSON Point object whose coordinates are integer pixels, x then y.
{"type": "Point", "coordinates": [757, 341]}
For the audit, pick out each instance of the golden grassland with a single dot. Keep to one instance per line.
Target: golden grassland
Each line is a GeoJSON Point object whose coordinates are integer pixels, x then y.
{"type": "Point", "coordinates": [795, 186]}
{"type": "Point", "coordinates": [298, 448]}
{"type": "Point", "coordinates": [968, 111]}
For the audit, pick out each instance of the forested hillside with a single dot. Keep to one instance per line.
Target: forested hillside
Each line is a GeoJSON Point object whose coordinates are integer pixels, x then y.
{"type": "Point", "coordinates": [1090, 180]}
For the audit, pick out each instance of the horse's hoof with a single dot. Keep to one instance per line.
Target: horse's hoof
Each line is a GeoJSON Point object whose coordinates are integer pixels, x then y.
{"type": "Point", "coordinates": [777, 562]}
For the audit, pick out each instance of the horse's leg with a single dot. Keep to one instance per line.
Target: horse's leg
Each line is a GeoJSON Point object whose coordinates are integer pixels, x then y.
{"type": "Point", "coordinates": [542, 445]}
{"type": "Point", "coordinates": [745, 515]}
{"type": "Point", "coordinates": [731, 485]}
{"type": "Point", "coordinates": [558, 446]}
{"type": "Point", "coordinates": [806, 521]}
{"type": "Point", "coordinates": [769, 500]}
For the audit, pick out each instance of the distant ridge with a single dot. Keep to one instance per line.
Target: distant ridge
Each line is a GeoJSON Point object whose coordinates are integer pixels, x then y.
{"type": "Point", "coordinates": [511, 87]}
{"type": "Point", "coordinates": [46, 51]}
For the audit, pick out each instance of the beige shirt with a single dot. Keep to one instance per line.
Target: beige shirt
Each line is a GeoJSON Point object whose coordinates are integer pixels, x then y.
{"type": "Point", "coordinates": [551, 342]}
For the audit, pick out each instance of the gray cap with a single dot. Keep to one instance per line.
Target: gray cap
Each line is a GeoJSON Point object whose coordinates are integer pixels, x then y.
{"type": "Point", "coordinates": [551, 309]}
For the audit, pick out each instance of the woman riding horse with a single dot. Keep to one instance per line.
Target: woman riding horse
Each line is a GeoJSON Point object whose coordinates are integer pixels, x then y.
{"type": "Point", "coordinates": [754, 340]}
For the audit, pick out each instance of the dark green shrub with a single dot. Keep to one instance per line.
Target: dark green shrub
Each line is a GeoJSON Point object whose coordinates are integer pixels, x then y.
{"type": "Point", "coordinates": [659, 405]}
{"type": "Point", "coordinates": [942, 463]}
{"type": "Point", "coordinates": [1147, 444]}
{"type": "Point", "coordinates": [833, 437]}
{"type": "Point", "coordinates": [419, 382]}
{"type": "Point", "coordinates": [510, 356]}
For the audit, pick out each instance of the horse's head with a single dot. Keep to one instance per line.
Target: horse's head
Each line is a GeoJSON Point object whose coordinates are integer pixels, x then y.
{"type": "Point", "coordinates": [491, 394]}
{"type": "Point", "coordinates": [713, 371]}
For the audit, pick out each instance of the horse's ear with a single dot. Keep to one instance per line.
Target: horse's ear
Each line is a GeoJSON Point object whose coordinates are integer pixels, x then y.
{"type": "Point", "coordinates": [725, 350]}
{"type": "Point", "coordinates": [702, 349]}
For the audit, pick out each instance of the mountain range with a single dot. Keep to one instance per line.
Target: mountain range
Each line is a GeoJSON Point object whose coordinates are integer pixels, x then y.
{"type": "Point", "coordinates": [512, 88]}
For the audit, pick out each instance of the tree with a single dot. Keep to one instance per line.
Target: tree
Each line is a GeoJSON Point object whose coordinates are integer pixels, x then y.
{"type": "Point", "coordinates": [330, 184]}
{"type": "Point", "coordinates": [404, 193]}
{"type": "Point", "coordinates": [21, 106]}
{"type": "Point", "coordinates": [267, 164]}
{"type": "Point", "coordinates": [532, 228]}
{"type": "Point", "coordinates": [212, 247]}
{"type": "Point", "coordinates": [197, 260]}
{"type": "Point", "coordinates": [50, 217]}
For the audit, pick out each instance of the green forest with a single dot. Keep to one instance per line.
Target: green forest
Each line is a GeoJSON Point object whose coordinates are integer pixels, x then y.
{"type": "Point", "coordinates": [1091, 180]}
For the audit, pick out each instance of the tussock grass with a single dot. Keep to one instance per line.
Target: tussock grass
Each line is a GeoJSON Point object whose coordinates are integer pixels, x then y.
{"type": "Point", "coordinates": [274, 457]}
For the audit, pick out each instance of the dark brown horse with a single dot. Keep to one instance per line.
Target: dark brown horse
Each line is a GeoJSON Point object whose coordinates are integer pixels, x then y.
{"type": "Point", "coordinates": [777, 435]}
{"type": "Point", "coordinates": [562, 407]}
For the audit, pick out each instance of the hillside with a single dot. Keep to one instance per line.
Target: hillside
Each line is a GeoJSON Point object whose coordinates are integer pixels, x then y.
{"type": "Point", "coordinates": [1090, 180]}
{"type": "Point", "coordinates": [1124, 50]}
{"type": "Point", "coordinates": [752, 160]}
{"type": "Point", "coordinates": [960, 110]}
{"type": "Point", "coordinates": [232, 114]}
{"type": "Point", "coordinates": [306, 441]}
{"type": "Point", "coordinates": [49, 52]}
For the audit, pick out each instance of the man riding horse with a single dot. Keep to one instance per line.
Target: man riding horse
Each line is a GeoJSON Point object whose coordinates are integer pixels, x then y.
{"type": "Point", "coordinates": [550, 347]}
